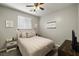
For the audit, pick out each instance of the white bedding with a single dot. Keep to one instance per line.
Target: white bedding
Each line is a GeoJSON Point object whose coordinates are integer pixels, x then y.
{"type": "Point", "coordinates": [35, 46]}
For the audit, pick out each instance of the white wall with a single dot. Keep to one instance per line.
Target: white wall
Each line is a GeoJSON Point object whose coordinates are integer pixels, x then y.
{"type": "Point", "coordinates": [10, 14]}
{"type": "Point", "coordinates": [78, 21]}
{"type": "Point", "coordinates": [66, 20]}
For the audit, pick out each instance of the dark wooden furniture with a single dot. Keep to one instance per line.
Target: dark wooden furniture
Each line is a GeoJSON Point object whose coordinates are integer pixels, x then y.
{"type": "Point", "coordinates": [66, 49]}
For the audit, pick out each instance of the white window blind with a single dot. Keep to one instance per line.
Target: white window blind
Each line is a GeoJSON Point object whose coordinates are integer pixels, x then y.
{"type": "Point", "coordinates": [24, 23]}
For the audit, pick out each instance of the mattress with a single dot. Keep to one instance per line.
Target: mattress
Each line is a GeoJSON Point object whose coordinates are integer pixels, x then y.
{"type": "Point", "coordinates": [35, 46]}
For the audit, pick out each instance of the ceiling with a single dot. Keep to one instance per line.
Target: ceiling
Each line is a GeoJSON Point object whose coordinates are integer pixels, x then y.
{"type": "Point", "coordinates": [49, 7]}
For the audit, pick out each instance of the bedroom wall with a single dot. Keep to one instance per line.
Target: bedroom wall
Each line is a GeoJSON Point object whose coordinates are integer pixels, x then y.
{"type": "Point", "coordinates": [78, 21]}
{"type": "Point", "coordinates": [66, 20]}
{"type": "Point", "coordinates": [11, 14]}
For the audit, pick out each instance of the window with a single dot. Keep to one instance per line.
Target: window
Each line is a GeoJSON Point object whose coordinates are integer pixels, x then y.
{"type": "Point", "coordinates": [24, 23]}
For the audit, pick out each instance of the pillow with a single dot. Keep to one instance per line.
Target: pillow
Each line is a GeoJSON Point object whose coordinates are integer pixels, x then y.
{"type": "Point", "coordinates": [21, 34]}
{"type": "Point", "coordinates": [26, 33]}
{"type": "Point", "coordinates": [31, 33]}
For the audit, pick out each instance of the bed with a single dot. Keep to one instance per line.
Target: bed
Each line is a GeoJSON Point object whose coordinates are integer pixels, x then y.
{"type": "Point", "coordinates": [35, 46]}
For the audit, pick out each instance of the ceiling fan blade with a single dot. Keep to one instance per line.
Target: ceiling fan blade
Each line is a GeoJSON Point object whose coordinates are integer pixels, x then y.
{"type": "Point", "coordinates": [41, 8]}
{"type": "Point", "coordinates": [36, 4]}
{"type": "Point", "coordinates": [29, 6]}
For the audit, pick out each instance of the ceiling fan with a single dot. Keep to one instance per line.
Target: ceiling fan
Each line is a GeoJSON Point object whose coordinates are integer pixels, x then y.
{"type": "Point", "coordinates": [36, 6]}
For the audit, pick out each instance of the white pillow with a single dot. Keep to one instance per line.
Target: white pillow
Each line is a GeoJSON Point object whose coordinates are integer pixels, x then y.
{"type": "Point", "coordinates": [21, 34]}
{"type": "Point", "coordinates": [31, 33]}
{"type": "Point", "coordinates": [26, 33]}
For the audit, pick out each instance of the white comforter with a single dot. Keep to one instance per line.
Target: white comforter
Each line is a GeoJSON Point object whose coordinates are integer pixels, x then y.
{"type": "Point", "coordinates": [35, 46]}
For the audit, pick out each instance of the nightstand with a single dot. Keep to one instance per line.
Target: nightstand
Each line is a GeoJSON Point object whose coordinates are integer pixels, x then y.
{"type": "Point", "coordinates": [66, 49]}
{"type": "Point", "coordinates": [10, 45]}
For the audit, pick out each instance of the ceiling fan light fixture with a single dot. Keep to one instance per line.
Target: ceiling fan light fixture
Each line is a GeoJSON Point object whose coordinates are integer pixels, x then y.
{"type": "Point", "coordinates": [37, 6]}
{"type": "Point", "coordinates": [34, 7]}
